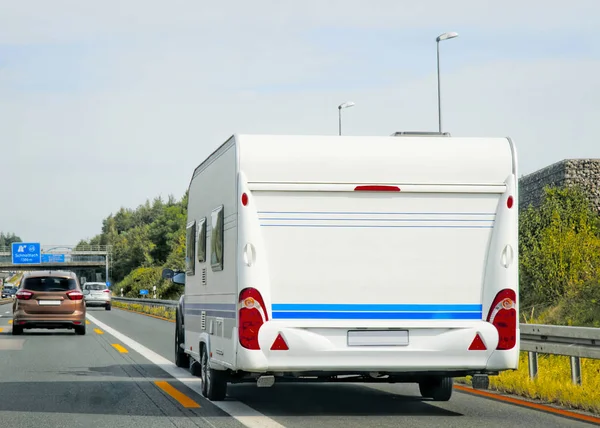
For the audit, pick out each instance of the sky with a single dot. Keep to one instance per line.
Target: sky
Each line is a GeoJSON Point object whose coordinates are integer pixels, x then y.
{"type": "Point", "coordinates": [106, 104]}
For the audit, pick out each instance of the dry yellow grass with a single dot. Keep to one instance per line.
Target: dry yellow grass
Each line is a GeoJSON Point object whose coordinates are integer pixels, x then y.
{"type": "Point", "coordinates": [168, 313]}
{"type": "Point", "coordinates": [15, 280]}
{"type": "Point", "coordinates": [553, 383]}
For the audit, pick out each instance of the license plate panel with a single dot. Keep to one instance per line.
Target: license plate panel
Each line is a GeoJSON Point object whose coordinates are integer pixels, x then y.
{"type": "Point", "coordinates": [49, 302]}
{"type": "Point", "coordinates": [378, 338]}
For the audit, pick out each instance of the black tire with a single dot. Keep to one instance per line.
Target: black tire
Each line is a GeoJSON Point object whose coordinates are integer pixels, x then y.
{"type": "Point", "coordinates": [439, 389]}
{"type": "Point", "coordinates": [195, 369]}
{"type": "Point", "coordinates": [214, 382]}
{"type": "Point", "coordinates": [80, 330]}
{"type": "Point", "coordinates": [204, 384]}
{"type": "Point", "coordinates": [17, 331]}
{"type": "Point", "coordinates": [108, 307]}
{"type": "Point", "coordinates": [181, 358]}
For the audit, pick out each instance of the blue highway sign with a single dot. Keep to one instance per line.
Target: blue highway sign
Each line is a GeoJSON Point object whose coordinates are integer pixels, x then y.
{"type": "Point", "coordinates": [143, 292]}
{"type": "Point", "coordinates": [53, 258]}
{"type": "Point", "coordinates": [26, 253]}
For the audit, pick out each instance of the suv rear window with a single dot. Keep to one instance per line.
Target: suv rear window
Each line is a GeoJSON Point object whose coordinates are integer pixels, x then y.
{"type": "Point", "coordinates": [49, 283]}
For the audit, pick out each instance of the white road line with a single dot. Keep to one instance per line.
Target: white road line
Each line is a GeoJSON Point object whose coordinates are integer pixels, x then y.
{"type": "Point", "coordinates": [246, 415]}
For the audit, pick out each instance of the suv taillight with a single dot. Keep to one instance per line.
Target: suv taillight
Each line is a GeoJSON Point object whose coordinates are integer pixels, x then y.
{"type": "Point", "coordinates": [75, 295]}
{"type": "Point", "coordinates": [503, 315]}
{"type": "Point", "coordinates": [24, 294]}
{"type": "Point", "coordinates": [252, 315]}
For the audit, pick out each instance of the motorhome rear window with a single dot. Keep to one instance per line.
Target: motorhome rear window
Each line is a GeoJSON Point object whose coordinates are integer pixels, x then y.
{"type": "Point", "coordinates": [49, 283]}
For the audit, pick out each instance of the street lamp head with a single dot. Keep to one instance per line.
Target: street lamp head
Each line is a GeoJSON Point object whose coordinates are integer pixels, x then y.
{"type": "Point", "coordinates": [346, 105]}
{"type": "Point", "coordinates": [446, 36]}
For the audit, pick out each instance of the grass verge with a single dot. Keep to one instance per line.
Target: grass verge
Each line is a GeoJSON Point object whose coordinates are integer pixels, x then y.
{"type": "Point", "coordinates": [168, 313]}
{"type": "Point", "coordinates": [553, 383]}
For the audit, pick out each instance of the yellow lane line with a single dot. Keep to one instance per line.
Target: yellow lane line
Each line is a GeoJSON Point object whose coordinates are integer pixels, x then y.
{"type": "Point", "coordinates": [87, 322]}
{"type": "Point", "coordinates": [183, 399]}
{"type": "Point", "coordinates": [97, 330]}
{"type": "Point", "coordinates": [119, 348]}
{"type": "Point", "coordinates": [10, 321]}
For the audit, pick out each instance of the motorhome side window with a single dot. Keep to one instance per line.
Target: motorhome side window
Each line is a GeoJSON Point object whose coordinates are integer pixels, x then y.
{"type": "Point", "coordinates": [201, 249]}
{"type": "Point", "coordinates": [216, 239]}
{"type": "Point", "coordinates": [190, 246]}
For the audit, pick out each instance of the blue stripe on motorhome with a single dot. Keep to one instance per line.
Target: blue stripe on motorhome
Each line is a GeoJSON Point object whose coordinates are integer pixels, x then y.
{"type": "Point", "coordinates": [379, 315]}
{"type": "Point", "coordinates": [349, 307]}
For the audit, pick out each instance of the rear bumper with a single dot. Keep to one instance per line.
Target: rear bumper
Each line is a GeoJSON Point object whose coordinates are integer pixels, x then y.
{"type": "Point", "coordinates": [26, 320]}
{"type": "Point", "coordinates": [97, 302]}
{"type": "Point", "coordinates": [67, 324]}
{"type": "Point", "coordinates": [440, 350]}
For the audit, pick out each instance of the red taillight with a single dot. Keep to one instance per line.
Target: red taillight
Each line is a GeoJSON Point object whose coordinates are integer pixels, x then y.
{"type": "Point", "coordinates": [377, 188]}
{"type": "Point", "coordinates": [106, 291]}
{"type": "Point", "coordinates": [244, 199]}
{"type": "Point", "coordinates": [252, 315]}
{"type": "Point", "coordinates": [477, 344]}
{"type": "Point", "coordinates": [509, 202]}
{"type": "Point", "coordinates": [24, 294]}
{"type": "Point", "coordinates": [503, 315]}
{"type": "Point", "coordinates": [75, 295]}
{"type": "Point", "coordinates": [279, 344]}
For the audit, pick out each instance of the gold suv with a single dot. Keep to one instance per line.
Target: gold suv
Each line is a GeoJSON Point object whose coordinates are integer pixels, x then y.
{"type": "Point", "coordinates": [49, 299]}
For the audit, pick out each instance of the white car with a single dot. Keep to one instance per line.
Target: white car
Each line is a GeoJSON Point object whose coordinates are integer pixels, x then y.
{"type": "Point", "coordinates": [97, 294]}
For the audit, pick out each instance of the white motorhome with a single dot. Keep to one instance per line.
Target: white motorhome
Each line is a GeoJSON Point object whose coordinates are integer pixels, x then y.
{"type": "Point", "coordinates": [363, 259]}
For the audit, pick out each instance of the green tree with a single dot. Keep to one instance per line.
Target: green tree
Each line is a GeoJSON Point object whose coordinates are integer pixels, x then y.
{"type": "Point", "coordinates": [132, 249]}
{"type": "Point", "coordinates": [164, 231]}
{"type": "Point", "coordinates": [559, 248]}
{"type": "Point", "coordinates": [6, 239]}
{"type": "Point", "coordinates": [149, 236]}
{"type": "Point", "coordinates": [176, 259]}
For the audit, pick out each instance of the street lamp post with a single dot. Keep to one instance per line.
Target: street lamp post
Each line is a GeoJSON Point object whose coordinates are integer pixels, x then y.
{"type": "Point", "coordinates": [442, 37]}
{"type": "Point", "coordinates": [340, 107]}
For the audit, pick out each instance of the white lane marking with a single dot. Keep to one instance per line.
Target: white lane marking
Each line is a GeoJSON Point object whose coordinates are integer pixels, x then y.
{"type": "Point", "coordinates": [246, 415]}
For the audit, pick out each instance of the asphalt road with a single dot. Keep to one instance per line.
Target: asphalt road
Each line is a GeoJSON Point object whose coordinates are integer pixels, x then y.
{"type": "Point", "coordinates": [58, 379]}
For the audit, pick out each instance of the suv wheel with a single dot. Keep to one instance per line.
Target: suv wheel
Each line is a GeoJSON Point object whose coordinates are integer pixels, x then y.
{"type": "Point", "coordinates": [80, 330]}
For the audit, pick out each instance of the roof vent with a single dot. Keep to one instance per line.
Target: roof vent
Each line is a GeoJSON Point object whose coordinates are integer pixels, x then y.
{"type": "Point", "coordinates": [420, 134]}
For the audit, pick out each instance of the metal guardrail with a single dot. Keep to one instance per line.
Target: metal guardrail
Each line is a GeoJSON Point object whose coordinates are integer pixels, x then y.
{"type": "Point", "coordinates": [574, 342]}
{"type": "Point", "coordinates": [149, 301]}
